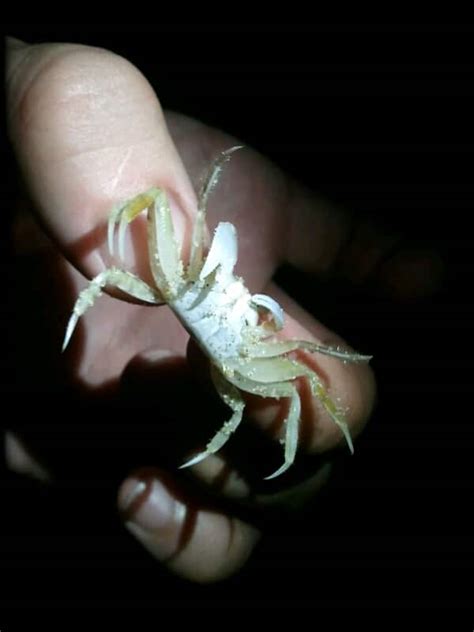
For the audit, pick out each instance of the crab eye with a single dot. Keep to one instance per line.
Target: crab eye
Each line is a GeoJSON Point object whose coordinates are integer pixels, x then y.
{"type": "Point", "coordinates": [271, 306]}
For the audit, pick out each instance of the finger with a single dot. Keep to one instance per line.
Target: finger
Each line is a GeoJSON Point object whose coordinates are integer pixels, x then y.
{"type": "Point", "coordinates": [322, 237]}
{"type": "Point", "coordinates": [194, 541]}
{"type": "Point", "coordinates": [88, 131]}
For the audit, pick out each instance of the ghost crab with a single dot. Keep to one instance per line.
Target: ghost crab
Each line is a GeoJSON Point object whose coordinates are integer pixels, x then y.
{"type": "Point", "coordinates": [231, 326]}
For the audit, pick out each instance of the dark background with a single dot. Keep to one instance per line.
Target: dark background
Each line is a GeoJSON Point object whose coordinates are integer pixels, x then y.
{"type": "Point", "coordinates": [378, 118]}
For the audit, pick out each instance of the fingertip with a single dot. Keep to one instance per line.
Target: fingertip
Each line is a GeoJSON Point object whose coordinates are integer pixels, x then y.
{"type": "Point", "coordinates": [89, 131]}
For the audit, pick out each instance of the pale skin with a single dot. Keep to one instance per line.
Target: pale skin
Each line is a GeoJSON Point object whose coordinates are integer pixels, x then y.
{"type": "Point", "coordinates": [88, 130]}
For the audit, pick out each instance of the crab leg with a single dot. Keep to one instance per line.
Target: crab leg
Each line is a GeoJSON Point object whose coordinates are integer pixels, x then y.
{"type": "Point", "coordinates": [279, 347]}
{"type": "Point", "coordinates": [164, 257]}
{"type": "Point", "coordinates": [199, 231]}
{"type": "Point", "coordinates": [123, 214]}
{"type": "Point", "coordinates": [114, 277]}
{"type": "Point", "coordinates": [261, 372]}
{"type": "Point", "coordinates": [291, 434]}
{"type": "Point", "coordinates": [271, 378]}
{"type": "Point", "coordinates": [231, 396]}
{"type": "Point", "coordinates": [291, 423]}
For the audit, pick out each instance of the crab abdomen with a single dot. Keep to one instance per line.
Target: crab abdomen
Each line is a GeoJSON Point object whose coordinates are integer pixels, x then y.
{"type": "Point", "coordinates": [215, 311]}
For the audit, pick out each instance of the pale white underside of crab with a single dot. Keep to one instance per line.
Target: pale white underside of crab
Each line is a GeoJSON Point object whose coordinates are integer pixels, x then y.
{"type": "Point", "coordinates": [233, 328]}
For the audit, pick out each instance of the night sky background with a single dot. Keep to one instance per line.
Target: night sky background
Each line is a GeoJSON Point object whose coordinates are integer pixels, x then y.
{"type": "Point", "coordinates": [380, 119]}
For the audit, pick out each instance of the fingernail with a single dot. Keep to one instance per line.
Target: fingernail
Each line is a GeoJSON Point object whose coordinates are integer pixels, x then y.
{"type": "Point", "coordinates": [152, 515]}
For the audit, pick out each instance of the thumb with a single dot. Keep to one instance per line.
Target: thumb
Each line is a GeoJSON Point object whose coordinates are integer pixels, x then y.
{"type": "Point", "coordinates": [88, 132]}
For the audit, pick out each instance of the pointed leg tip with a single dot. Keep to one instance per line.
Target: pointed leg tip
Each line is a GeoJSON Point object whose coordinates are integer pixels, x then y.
{"type": "Point", "coordinates": [69, 331]}
{"type": "Point", "coordinates": [194, 460]}
{"type": "Point", "coordinates": [269, 478]}
{"type": "Point", "coordinates": [350, 445]}
{"type": "Point", "coordinates": [230, 151]}
{"type": "Point", "coordinates": [279, 472]}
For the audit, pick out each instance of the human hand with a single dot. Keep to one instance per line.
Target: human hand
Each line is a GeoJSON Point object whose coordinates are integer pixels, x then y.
{"type": "Point", "coordinates": [88, 131]}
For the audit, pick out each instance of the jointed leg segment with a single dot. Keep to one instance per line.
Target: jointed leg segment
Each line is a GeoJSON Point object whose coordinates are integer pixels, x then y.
{"type": "Point", "coordinates": [198, 240]}
{"type": "Point", "coordinates": [279, 347]}
{"type": "Point", "coordinates": [163, 251]}
{"type": "Point", "coordinates": [124, 214]}
{"type": "Point", "coordinates": [113, 277]}
{"type": "Point", "coordinates": [232, 397]}
{"type": "Point", "coordinates": [272, 377]}
{"type": "Point", "coordinates": [116, 277]}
